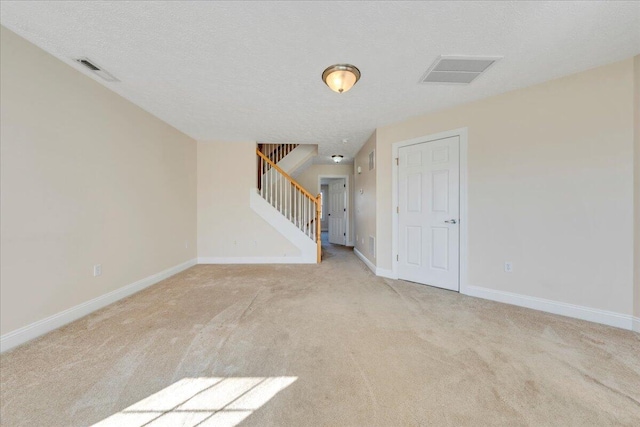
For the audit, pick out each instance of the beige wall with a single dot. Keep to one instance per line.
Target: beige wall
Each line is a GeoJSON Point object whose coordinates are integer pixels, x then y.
{"type": "Point", "coordinates": [309, 179]}
{"type": "Point", "coordinates": [87, 178]}
{"type": "Point", "coordinates": [550, 172]}
{"type": "Point", "coordinates": [227, 226]}
{"type": "Point", "coordinates": [365, 202]}
{"type": "Point", "coordinates": [636, 194]}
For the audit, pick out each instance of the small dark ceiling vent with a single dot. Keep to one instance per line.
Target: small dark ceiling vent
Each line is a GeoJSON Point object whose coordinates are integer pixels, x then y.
{"type": "Point", "coordinates": [99, 71]}
{"type": "Point", "coordinates": [88, 64]}
{"type": "Point", "coordinates": [457, 69]}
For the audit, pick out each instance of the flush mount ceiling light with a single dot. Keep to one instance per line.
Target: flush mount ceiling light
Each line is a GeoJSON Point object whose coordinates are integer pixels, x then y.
{"type": "Point", "coordinates": [341, 77]}
{"type": "Point", "coordinates": [337, 158]}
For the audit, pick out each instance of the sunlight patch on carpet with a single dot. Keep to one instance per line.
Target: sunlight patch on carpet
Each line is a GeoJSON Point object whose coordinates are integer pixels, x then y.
{"type": "Point", "coordinates": [222, 402]}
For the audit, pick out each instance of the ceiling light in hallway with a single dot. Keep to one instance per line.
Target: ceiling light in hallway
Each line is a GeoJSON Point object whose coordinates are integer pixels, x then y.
{"type": "Point", "coordinates": [337, 158]}
{"type": "Point", "coordinates": [341, 77]}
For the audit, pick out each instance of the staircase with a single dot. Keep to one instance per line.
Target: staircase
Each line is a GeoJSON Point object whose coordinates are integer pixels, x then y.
{"type": "Point", "coordinates": [276, 152]}
{"type": "Point", "coordinates": [288, 157]}
{"type": "Point", "coordinates": [295, 204]}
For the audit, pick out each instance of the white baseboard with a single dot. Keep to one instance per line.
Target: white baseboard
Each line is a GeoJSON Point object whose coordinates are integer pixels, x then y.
{"type": "Point", "coordinates": [382, 272]}
{"type": "Point", "coordinates": [364, 259]}
{"type": "Point", "coordinates": [255, 260]}
{"type": "Point", "coordinates": [604, 317]}
{"type": "Point", "coordinates": [41, 327]}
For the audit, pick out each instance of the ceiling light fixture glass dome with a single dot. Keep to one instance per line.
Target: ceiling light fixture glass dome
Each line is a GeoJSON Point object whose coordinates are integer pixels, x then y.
{"type": "Point", "coordinates": [341, 77]}
{"type": "Point", "coordinates": [337, 158]}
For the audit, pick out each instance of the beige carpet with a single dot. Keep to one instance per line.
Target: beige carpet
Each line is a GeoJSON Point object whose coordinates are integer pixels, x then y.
{"type": "Point", "coordinates": [357, 351]}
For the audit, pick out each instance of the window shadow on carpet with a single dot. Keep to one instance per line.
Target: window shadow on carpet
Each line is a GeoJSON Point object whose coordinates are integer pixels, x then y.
{"type": "Point", "coordinates": [221, 402]}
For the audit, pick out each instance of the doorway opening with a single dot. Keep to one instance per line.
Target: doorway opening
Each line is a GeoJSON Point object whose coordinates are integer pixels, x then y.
{"type": "Point", "coordinates": [336, 212]}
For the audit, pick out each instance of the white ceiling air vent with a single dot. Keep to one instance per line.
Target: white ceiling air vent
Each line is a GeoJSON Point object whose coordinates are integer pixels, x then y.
{"type": "Point", "coordinates": [96, 69]}
{"type": "Point", "coordinates": [460, 70]}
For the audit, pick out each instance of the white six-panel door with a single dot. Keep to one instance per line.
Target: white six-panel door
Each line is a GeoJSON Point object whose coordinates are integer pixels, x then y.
{"type": "Point", "coordinates": [338, 212]}
{"type": "Point", "coordinates": [428, 213]}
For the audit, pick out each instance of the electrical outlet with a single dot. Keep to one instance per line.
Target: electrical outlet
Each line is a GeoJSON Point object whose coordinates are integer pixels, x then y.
{"type": "Point", "coordinates": [508, 267]}
{"type": "Point", "coordinates": [97, 270]}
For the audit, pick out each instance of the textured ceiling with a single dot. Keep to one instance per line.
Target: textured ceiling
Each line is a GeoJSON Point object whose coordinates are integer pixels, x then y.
{"type": "Point", "coordinates": [251, 71]}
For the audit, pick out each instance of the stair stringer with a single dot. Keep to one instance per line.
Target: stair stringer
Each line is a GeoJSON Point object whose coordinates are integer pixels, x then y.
{"type": "Point", "coordinates": [307, 247]}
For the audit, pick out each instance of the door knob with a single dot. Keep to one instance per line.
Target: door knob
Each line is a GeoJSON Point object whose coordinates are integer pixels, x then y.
{"type": "Point", "coordinates": [451, 221]}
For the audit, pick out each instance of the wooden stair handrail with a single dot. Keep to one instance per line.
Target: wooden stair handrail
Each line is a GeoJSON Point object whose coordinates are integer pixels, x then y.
{"type": "Point", "coordinates": [286, 175]}
{"type": "Point", "coordinates": [317, 201]}
{"type": "Point", "coordinates": [278, 151]}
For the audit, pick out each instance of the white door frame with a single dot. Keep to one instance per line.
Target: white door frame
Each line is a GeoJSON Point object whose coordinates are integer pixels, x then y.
{"type": "Point", "coordinates": [464, 217]}
{"type": "Point", "coordinates": [348, 241]}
